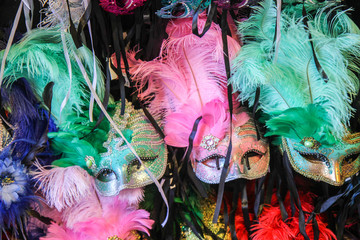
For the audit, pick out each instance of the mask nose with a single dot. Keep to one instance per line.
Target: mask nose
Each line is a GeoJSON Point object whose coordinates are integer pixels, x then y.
{"type": "Point", "coordinates": [337, 172]}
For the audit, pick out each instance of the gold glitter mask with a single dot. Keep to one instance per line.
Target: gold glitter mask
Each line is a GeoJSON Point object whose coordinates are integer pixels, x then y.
{"type": "Point", "coordinates": [118, 168]}
{"type": "Point", "coordinates": [332, 165]}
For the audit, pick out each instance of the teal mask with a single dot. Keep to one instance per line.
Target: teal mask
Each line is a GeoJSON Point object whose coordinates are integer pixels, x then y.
{"type": "Point", "coordinates": [330, 164]}
{"type": "Point", "coordinates": [118, 168]}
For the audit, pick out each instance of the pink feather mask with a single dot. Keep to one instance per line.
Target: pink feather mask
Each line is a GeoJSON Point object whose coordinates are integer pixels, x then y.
{"type": "Point", "coordinates": [188, 80]}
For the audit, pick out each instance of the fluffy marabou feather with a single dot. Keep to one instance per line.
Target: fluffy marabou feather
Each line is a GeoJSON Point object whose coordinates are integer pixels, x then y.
{"type": "Point", "coordinates": [117, 220]}
{"type": "Point", "coordinates": [37, 228]}
{"type": "Point", "coordinates": [188, 76]}
{"type": "Point", "coordinates": [271, 226]}
{"type": "Point", "coordinates": [40, 58]}
{"type": "Point", "coordinates": [131, 196]}
{"type": "Point", "coordinates": [293, 80]}
{"type": "Point", "coordinates": [86, 208]}
{"type": "Point", "coordinates": [72, 149]}
{"type": "Point", "coordinates": [24, 114]}
{"type": "Point", "coordinates": [63, 187]}
{"type": "Point", "coordinates": [91, 206]}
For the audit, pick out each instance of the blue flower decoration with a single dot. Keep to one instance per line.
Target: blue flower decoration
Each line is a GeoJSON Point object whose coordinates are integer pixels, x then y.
{"type": "Point", "coordinates": [15, 192]}
{"type": "Point", "coordinates": [13, 181]}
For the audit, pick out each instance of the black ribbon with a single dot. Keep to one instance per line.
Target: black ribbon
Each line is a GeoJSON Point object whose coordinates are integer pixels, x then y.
{"type": "Point", "coordinates": [39, 217]}
{"type": "Point", "coordinates": [255, 107]}
{"type": "Point", "coordinates": [259, 195]}
{"type": "Point", "coordinates": [317, 63]}
{"type": "Point", "coordinates": [229, 95]}
{"type": "Point", "coordinates": [233, 211]}
{"type": "Point", "coordinates": [209, 19]}
{"type": "Point", "coordinates": [115, 23]}
{"type": "Point", "coordinates": [186, 160]}
{"type": "Point", "coordinates": [74, 34]}
{"type": "Point", "coordinates": [294, 194]}
{"type": "Point", "coordinates": [245, 206]}
{"type": "Point", "coordinates": [84, 18]}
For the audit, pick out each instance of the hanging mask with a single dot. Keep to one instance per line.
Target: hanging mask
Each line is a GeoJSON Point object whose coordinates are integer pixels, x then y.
{"type": "Point", "coordinates": [189, 68]}
{"type": "Point", "coordinates": [306, 99]}
{"type": "Point", "coordinates": [120, 7]}
{"type": "Point", "coordinates": [331, 165]}
{"type": "Point", "coordinates": [249, 157]}
{"type": "Point", "coordinates": [181, 8]}
{"type": "Point", "coordinates": [118, 168]}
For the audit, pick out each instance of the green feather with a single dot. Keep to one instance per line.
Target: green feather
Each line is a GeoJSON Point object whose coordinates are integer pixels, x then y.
{"type": "Point", "coordinates": [294, 81]}
{"type": "Point", "coordinates": [297, 123]}
{"type": "Point", "coordinates": [72, 149]}
{"type": "Point", "coordinates": [39, 57]}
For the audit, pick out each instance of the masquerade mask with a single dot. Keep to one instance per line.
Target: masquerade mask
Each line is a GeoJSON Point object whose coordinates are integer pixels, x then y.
{"type": "Point", "coordinates": [201, 70]}
{"type": "Point", "coordinates": [181, 8]}
{"type": "Point", "coordinates": [331, 165]}
{"type": "Point", "coordinates": [249, 157]}
{"type": "Point", "coordinates": [118, 168]}
{"type": "Point", "coordinates": [120, 7]}
{"type": "Point", "coordinates": [308, 102]}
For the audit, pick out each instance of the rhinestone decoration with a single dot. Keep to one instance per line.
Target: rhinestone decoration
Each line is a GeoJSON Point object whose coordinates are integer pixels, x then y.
{"type": "Point", "coordinates": [310, 142]}
{"type": "Point", "coordinates": [209, 142]}
{"type": "Point", "coordinates": [90, 162]}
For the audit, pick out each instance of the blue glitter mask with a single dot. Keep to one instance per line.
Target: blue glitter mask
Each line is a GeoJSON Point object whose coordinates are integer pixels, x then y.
{"type": "Point", "coordinates": [181, 8]}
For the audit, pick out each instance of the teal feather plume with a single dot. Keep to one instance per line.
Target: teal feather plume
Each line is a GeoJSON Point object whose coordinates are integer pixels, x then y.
{"type": "Point", "coordinates": [297, 123]}
{"type": "Point", "coordinates": [39, 57]}
{"type": "Point", "coordinates": [294, 81]}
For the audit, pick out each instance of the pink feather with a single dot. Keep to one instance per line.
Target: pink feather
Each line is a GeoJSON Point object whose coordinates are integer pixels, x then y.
{"type": "Point", "coordinates": [117, 220]}
{"type": "Point", "coordinates": [131, 196]}
{"type": "Point", "coordinates": [87, 208]}
{"type": "Point", "coordinates": [187, 80]}
{"type": "Point", "coordinates": [63, 187]}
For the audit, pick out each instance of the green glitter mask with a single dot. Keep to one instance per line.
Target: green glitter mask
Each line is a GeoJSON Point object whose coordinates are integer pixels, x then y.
{"type": "Point", "coordinates": [118, 168]}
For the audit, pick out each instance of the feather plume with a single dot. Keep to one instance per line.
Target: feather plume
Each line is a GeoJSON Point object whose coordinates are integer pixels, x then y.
{"type": "Point", "coordinates": [88, 207]}
{"type": "Point", "coordinates": [131, 196]}
{"type": "Point", "coordinates": [72, 149]}
{"type": "Point", "coordinates": [186, 79]}
{"type": "Point", "coordinates": [297, 123]}
{"type": "Point", "coordinates": [63, 187]}
{"type": "Point", "coordinates": [39, 58]}
{"type": "Point", "coordinates": [117, 220]}
{"type": "Point", "coordinates": [294, 81]}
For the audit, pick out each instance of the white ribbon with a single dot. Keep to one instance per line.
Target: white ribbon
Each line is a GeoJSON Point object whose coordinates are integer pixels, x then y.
{"type": "Point", "coordinates": [10, 41]}
{"type": "Point", "coordinates": [68, 63]}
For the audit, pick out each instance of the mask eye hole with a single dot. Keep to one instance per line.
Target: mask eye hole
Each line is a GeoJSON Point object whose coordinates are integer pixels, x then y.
{"type": "Point", "coordinates": [213, 161]}
{"type": "Point", "coordinates": [350, 158]}
{"type": "Point", "coordinates": [251, 156]}
{"type": "Point", "coordinates": [178, 10]}
{"type": "Point", "coordinates": [135, 163]}
{"type": "Point", "coordinates": [315, 157]}
{"type": "Point", "coordinates": [106, 175]}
